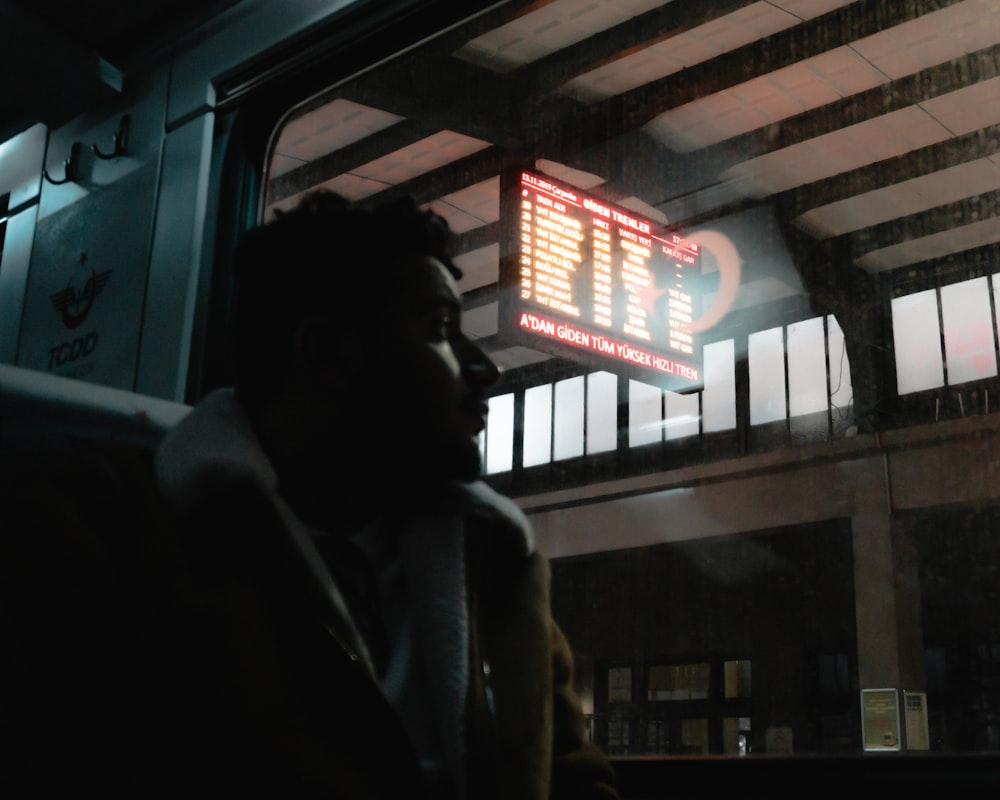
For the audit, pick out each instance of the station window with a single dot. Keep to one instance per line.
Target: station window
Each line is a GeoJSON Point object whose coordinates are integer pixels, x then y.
{"type": "Point", "coordinates": [964, 313]}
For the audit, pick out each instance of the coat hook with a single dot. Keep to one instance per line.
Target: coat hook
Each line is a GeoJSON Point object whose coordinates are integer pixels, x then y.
{"type": "Point", "coordinates": [119, 141]}
{"type": "Point", "coordinates": [72, 165]}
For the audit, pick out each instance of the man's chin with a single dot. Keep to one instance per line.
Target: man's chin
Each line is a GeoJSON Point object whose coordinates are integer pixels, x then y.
{"type": "Point", "coordinates": [461, 464]}
{"type": "Point", "coordinates": [470, 469]}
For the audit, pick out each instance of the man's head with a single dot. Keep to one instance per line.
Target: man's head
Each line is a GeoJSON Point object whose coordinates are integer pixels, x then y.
{"type": "Point", "coordinates": [348, 320]}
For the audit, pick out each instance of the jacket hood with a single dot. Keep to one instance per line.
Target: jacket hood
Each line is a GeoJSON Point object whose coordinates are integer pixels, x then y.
{"type": "Point", "coordinates": [213, 446]}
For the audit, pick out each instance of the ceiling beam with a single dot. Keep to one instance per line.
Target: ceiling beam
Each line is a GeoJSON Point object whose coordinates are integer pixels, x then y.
{"type": "Point", "coordinates": [652, 27]}
{"type": "Point", "coordinates": [914, 164]}
{"type": "Point", "coordinates": [941, 218]}
{"type": "Point", "coordinates": [456, 175]}
{"type": "Point", "coordinates": [476, 238]}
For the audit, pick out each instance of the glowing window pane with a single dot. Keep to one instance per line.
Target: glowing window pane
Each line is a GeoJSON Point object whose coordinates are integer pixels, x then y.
{"type": "Point", "coordinates": [602, 412]}
{"type": "Point", "coordinates": [841, 391]}
{"type": "Point", "coordinates": [500, 434]}
{"type": "Point", "coordinates": [538, 425]}
{"type": "Point", "coordinates": [567, 441]}
{"type": "Point", "coordinates": [766, 355]}
{"type": "Point", "coordinates": [806, 368]}
{"type": "Point", "coordinates": [645, 414]}
{"type": "Point", "coordinates": [968, 331]}
{"type": "Point", "coordinates": [682, 414]}
{"type": "Point", "coordinates": [917, 340]}
{"type": "Point", "coordinates": [996, 298]}
{"type": "Point", "coordinates": [718, 401]}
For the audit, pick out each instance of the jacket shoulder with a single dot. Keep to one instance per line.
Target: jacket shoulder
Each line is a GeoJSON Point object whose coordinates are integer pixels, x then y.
{"type": "Point", "coordinates": [500, 514]}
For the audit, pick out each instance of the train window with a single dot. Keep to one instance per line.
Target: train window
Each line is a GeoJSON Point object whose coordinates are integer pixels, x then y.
{"type": "Point", "coordinates": [738, 263]}
{"type": "Point", "coordinates": [4, 202]}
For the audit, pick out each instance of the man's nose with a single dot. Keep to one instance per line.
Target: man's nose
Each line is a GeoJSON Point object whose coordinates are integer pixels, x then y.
{"type": "Point", "coordinates": [477, 367]}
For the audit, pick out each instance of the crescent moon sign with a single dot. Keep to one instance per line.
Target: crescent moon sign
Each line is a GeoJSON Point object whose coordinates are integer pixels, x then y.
{"type": "Point", "coordinates": [728, 259]}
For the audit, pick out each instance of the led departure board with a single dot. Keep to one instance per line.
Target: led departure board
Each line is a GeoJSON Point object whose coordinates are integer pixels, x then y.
{"type": "Point", "coordinates": [584, 278]}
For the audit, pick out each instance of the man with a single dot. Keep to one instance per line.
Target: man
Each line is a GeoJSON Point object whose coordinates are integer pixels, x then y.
{"type": "Point", "coordinates": [362, 617]}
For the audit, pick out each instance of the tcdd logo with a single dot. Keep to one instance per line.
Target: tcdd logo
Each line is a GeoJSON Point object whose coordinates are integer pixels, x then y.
{"type": "Point", "coordinates": [72, 351]}
{"type": "Point", "coordinates": [74, 306]}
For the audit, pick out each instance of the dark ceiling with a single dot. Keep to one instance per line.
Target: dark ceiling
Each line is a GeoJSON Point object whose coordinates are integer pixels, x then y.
{"type": "Point", "coordinates": [59, 57]}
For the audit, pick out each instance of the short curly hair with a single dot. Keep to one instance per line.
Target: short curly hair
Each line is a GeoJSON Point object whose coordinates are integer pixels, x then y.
{"type": "Point", "coordinates": [326, 257]}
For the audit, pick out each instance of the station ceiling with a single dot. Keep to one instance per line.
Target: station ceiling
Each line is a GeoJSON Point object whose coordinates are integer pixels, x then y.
{"type": "Point", "coordinates": [870, 129]}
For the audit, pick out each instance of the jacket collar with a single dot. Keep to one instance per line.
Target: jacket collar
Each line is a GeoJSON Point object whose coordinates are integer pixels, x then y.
{"type": "Point", "coordinates": [215, 445]}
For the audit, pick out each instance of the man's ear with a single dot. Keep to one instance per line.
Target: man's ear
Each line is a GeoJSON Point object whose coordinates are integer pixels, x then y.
{"type": "Point", "coordinates": [324, 355]}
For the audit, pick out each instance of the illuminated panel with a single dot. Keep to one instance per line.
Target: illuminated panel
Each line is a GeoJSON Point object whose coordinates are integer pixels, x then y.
{"type": "Point", "coordinates": [596, 282]}
{"type": "Point", "coordinates": [916, 338]}
{"type": "Point", "coordinates": [969, 351]}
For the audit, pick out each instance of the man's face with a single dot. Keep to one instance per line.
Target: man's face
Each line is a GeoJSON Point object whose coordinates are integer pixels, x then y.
{"type": "Point", "coordinates": [435, 400]}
